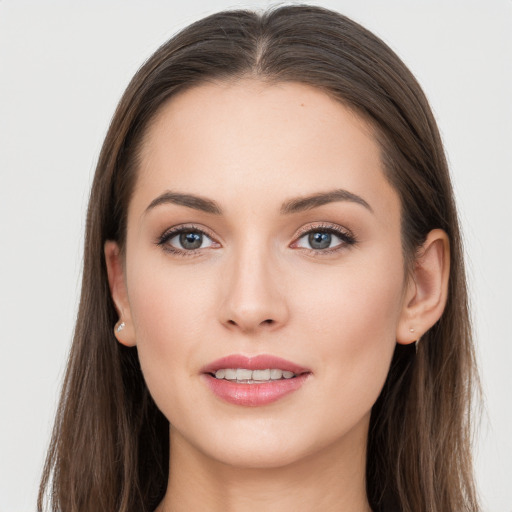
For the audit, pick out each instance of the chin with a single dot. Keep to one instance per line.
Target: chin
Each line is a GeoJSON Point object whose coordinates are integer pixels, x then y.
{"type": "Point", "coordinates": [260, 456]}
{"type": "Point", "coordinates": [273, 444]}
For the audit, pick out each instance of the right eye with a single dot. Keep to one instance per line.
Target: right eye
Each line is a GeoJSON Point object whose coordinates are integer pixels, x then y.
{"type": "Point", "coordinates": [185, 241]}
{"type": "Point", "coordinates": [188, 240]}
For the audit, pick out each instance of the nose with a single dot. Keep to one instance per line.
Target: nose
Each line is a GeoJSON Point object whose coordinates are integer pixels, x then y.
{"type": "Point", "coordinates": [253, 298]}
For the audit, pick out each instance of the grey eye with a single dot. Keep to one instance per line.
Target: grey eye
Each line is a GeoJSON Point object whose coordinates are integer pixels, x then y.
{"type": "Point", "coordinates": [189, 240]}
{"type": "Point", "coordinates": [319, 240]}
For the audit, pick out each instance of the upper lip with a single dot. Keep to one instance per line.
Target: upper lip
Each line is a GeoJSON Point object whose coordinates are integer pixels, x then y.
{"type": "Point", "coordinates": [259, 362]}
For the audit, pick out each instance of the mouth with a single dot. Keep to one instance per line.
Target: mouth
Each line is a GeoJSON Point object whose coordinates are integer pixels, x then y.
{"type": "Point", "coordinates": [254, 381]}
{"type": "Point", "coordinates": [247, 376]}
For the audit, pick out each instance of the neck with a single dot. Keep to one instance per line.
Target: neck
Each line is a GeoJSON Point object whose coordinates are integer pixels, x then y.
{"type": "Point", "coordinates": [332, 480]}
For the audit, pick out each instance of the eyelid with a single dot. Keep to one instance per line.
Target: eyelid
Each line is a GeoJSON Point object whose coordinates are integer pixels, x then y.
{"type": "Point", "coordinates": [173, 231]}
{"type": "Point", "coordinates": [345, 235]}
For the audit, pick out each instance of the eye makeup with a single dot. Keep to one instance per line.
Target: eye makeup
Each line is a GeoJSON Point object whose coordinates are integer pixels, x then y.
{"type": "Point", "coordinates": [327, 231]}
{"type": "Point", "coordinates": [183, 235]}
{"type": "Point", "coordinates": [187, 240]}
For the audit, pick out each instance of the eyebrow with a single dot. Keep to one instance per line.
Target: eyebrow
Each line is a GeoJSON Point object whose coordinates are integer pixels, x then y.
{"type": "Point", "coordinates": [189, 200]}
{"type": "Point", "coordinates": [301, 204]}
{"type": "Point", "coordinates": [290, 206]}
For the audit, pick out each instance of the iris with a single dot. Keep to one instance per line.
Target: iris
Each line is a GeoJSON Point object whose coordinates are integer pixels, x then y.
{"type": "Point", "coordinates": [319, 240]}
{"type": "Point", "coordinates": [191, 240]}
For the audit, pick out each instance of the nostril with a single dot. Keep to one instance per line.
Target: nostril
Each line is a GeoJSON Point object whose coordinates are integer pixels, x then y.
{"type": "Point", "coordinates": [248, 323]}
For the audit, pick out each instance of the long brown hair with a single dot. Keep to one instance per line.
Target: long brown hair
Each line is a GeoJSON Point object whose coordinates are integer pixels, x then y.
{"type": "Point", "coordinates": [110, 444]}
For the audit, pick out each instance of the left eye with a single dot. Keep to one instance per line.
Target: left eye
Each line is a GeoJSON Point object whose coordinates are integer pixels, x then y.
{"type": "Point", "coordinates": [189, 240]}
{"type": "Point", "coordinates": [320, 239]}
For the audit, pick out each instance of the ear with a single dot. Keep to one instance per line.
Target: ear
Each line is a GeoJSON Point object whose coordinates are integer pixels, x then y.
{"type": "Point", "coordinates": [427, 289]}
{"type": "Point", "coordinates": [118, 290]}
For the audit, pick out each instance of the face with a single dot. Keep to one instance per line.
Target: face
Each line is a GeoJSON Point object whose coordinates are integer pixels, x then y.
{"type": "Point", "coordinates": [262, 230]}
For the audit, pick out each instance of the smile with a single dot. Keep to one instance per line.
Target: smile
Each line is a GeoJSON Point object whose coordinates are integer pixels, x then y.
{"type": "Point", "coordinates": [246, 376]}
{"type": "Point", "coordinates": [253, 381]}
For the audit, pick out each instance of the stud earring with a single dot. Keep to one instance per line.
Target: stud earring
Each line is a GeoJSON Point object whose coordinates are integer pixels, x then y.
{"type": "Point", "coordinates": [120, 327]}
{"type": "Point", "coordinates": [411, 330]}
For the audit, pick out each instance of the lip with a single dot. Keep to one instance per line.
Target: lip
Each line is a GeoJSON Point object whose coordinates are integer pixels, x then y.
{"type": "Point", "coordinates": [259, 362]}
{"type": "Point", "coordinates": [254, 395]}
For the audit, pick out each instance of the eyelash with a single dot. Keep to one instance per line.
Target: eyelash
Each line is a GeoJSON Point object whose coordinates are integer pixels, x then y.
{"type": "Point", "coordinates": [346, 237]}
{"type": "Point", "coordinates": [171, 233]}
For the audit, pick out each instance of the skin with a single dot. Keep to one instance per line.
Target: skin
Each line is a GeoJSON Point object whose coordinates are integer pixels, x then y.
{"type": "Point", "coordinates": [256, 287]}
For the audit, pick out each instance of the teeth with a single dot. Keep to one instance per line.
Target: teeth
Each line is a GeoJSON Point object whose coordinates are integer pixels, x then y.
{"type": "Point", "coordinates": [251, 376]}
{"type": "Point", "coordinates": [261, 375]}
{"type": "Point", "coordinates": [276, 374]}
{"type": "Point", "coordinates": [243, 374]}
{"type": "Point", "coordinates": [229, 374]}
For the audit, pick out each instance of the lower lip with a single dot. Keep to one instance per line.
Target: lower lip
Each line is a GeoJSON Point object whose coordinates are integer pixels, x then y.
{"type": "Point", "coordinates": [254, 395]}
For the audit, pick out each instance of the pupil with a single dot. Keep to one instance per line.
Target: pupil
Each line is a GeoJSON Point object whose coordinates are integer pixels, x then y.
{"type": "Point", "coordinates": [191, 240]}
{"type": "Point", "coordinates": [320, 240]}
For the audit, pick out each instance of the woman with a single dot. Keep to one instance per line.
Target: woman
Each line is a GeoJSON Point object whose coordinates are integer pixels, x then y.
{"type": "Point", "coordinates": [273, 308]}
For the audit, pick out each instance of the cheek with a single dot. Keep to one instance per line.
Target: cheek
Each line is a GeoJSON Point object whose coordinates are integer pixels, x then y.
{"type": "Point", "coordinates": [351, 320]}
{"type": "Point", "coordinates": [167, 312]}
{"type": "Point", "coordinates": [165, 299]}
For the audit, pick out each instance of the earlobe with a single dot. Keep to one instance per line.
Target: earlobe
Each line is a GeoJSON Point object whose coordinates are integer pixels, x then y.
{"type": "Point", "coordinates": [123, 330]}
{"type": "Point", "coordinates": [427, 291]}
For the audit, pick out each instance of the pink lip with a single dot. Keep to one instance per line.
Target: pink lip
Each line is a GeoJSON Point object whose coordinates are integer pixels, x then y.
{"type": "Point", "coordinates": [253, 395]}
{"type": "Point", "coordinates": [260, 362]}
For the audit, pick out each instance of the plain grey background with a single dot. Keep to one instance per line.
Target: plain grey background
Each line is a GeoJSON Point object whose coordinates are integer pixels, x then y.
{"type": "Point", "coordinates": [64, 66]}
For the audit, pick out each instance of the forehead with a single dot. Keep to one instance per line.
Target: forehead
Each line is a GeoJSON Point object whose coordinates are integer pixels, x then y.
{"type": "Point", "coordinates": [252, 140]}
